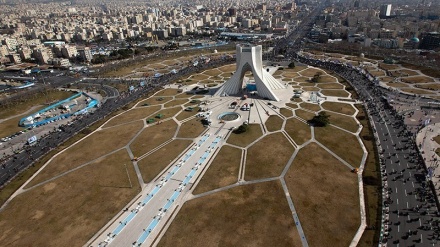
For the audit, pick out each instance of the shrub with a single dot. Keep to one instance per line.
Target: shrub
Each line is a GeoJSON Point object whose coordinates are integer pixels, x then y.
{"type": "Point", "coordinates": [241, 129]}
{"type": "Point", "coordinates": [321, 120]}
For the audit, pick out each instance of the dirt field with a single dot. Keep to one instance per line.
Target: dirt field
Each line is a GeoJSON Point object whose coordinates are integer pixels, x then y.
{"type": "Point", "coordinates": [167, 113]}
{"type": "Point", "coordinates": [198, 77]}
{"type": "Point", "coordinates": [286, 112]}
{"type": "Point", "coordinates": [328, 79]}
{"type": "Point", "coordinates": [437, 139]}
{"type": "Point", "coordinates": [186, 114]}
{"type": "Point", "coordinates": [417, 79]}
{"type": "Point", "coordinates": [335, 93]}
{"type": "Point", "coordinates": [227, 68]}
{"type": "Point", "coordinates": [155, 101]}
{"type": "Point", "coordinates": [244, 139]}
{"type": "Point", "coordinates": [330, 85]}
{"type": "Point", "coordinates": [251, 215]}
{"type": "Point", "coordinates": [331, 138]}
{"type": "Point", "coordinates": [298, 131]}
{"type": "Point", "coordinates": [212, 72]}
{"type": "Point", "coordinates": [377, 73]}
{"type": "Point", "coordinates": [301, 79]}
{"type": "Point", "coordinates": [153, 136]}
{"type": "Point", "coordinates": [345, 122]}
{"type": "Point", "coordinates": [191, 129]}
{"type": "Point", "coordinates": [176, 102]}
{"type": "Point", "coordinates": [386, 79]}
{"type": "Point", "coordinates": [223, 170]}
{"type": "Point", "coordinates": [293, 106]}
{"type": "Point", "coordinates": [310, 72]}
{"type": "Point", "coordinates": [306, 115]}
{"type": "Point", "coordinates": [132, 115]}
{"type": "Point", "coordinates": [416, 91]}
{"type": "Point", "coordinates": [167, 92]}
{"type": "Point", "coordinates": [64, 212]}
{"type": "Point", "coordinates": [408, 72]}
{"type": "Point", "coordinates": [287, 73]}
{"type": "Point", "coordinates": [271, 161]}
{"type": "Point", "coordinates": [388, 66]}
{"type": "Point", "coordinates": [154, 163]}
{"type": "Point", "coordinates": [430, 86]}
{"type": "Point", "coordinates": [339, 107]}
{"type": "Point", "coordinates": [310, 89]}
{"type": "Point", "coordinates": [274, 123]}
{"type": "Point", "coordinates": [184, 95]}
{"type": "Point", "coordinates": [325, 194]}
{"type": "Point", "coordinates": [89, 149]}
{"type": "Point", "coordinates": [310, 106]}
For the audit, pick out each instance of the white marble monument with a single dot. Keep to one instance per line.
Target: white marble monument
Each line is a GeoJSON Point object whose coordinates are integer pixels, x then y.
{"type": "Point", "coordinates": [250, 58]}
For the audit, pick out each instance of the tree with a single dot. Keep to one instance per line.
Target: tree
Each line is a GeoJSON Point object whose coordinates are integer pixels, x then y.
{"type": "Point", "coordinates": [291, 65]}
{"type": "Point", "coordinates": [316, 77]}
{"type": "Point", "coordinates": [241, 129]}
{"type": "Point", "coordinates": [321, 120]}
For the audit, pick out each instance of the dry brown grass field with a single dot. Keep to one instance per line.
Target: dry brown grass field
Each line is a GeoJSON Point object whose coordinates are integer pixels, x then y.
{"type": "Point", "coordinates": [310, 106]}
{"type": "Point", "coordinates": [153, 136]}
{"type": "Point", "coordinates": [306, 115]}
{"type": "Point", "coordinates": [191, 129]}
{"type": "Point", "coordinates": [330, 85]}
{"type": "Point", "coordinates": [328, 208]}
{"type": "Point", "coordinates": [430, 86]}
{"type": "Point", "coordinates": [186, 114]}
{"type": "Point", "coordinates": [250, 215]}
{"type": "Point", "coordinates": [286, 112]}
{"type": "Point", "coordinates": [274, 123]}
{"type": "Point", "coordinates": [176, 102]}
{"type": "Point", "coordinates": [223, 170]}
{"type": "Point", "coordinates": [89, 149]}
{"type": "Point", "coordinates": [155, 101]}
{"type": "Point", "coordinates": [417, 79]}
{"type": "Point", "coordinates": [310, 72]}
{"type": "Point", "coordinates": [154, 163]}
{"type": "Point", "coordinates": [69, 210]}
{"type": "Point", "coordinates": [298, 131]}
{"type": "Point", "coordinates": [416, 91]}
{"type": "Point", "coordinates": [331, 138]}
{"type": "Point", "coordinates": [343, 108]}
{"type": "Point", "coordinates": [132, 115]}
{"type": "Point", "coordinates": [268, 157]}
{"type": "Point", "coordinates": [342, 121]}
{"type": "Point", "coordinates": [244, 139]}
{"type": "Point", "coordinates": [335, 93]}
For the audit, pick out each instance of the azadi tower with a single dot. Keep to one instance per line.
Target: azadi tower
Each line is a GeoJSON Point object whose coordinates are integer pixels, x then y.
{"type": "Point", "coordinates": [250, 58]}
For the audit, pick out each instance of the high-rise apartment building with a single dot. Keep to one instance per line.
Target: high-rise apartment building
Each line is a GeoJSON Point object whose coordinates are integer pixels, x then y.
{"type": "Point", "coordinates": [385, 10]}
